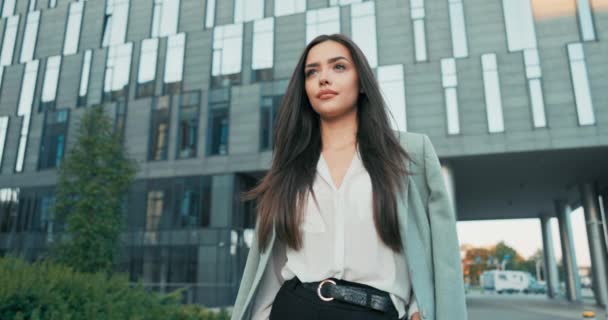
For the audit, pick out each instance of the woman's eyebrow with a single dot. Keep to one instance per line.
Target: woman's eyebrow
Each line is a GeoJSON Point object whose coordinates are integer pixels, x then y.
{"type": "Point", "coordinates": [316, 64]}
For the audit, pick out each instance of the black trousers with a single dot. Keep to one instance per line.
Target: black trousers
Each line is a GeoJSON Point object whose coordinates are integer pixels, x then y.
{"type": "Point", "coordinates": [294, 302]}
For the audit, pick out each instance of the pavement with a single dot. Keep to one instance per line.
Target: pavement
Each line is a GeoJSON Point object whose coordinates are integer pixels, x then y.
{"type": "Point", "coordinates": [483, 306]}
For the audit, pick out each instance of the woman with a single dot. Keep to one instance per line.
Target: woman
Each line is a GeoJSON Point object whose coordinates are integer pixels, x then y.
{"type": "Point", "coordinates": [350, 225]}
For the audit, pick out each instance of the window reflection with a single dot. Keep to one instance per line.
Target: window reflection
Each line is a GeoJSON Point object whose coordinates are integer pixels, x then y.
{"type": "Point", "coordinates": [8, 8]}
{"type": "Point", "coordinates": [115, 22]}
{"type": "Point", "coordinates": [84, 78]}
{"type": "Point", "coordinates": [29, 37]}
{"type": "Point", "coordinates": [363, 25]}
{"type": "Point", "coordinates": [72, 34]}
{"type": "Point", "coordinates": [49, 87]}
{"type": "Point", "coordinates": [392, 85]}
{"type": "Point", "coordinates": [322, 21]}
{"type": "Point", "coordinates": [580, 82]}
{"type": "Point", "coordinates": [3, 131]}
{"type": "Point", "coordinates": [417, 14]}
{"type": "Point", "coordinates": [227, 55]}
{"type": "Point", "coordinates": [165, 17]}
{"type": "Point", "coordinates": [54, 134]}
{"type": "Point", "coordinates": [210, 14]}
{"type": "Point", "coordinates": [147, 68]}
{"type": "Point", "coordinates": [248, 10]}
{"type": "Point", "coordinates": [187, 135]}
{"type": "Point", "coordinates": [450, 84]}
{"type": "Point", "coordinates": [174, 64]}
{"type": "Point", "coordinates": [263, 49]}
{"type": "Point", "coordinates": [287, 7]}
{"type": "Point", "coordinates": [159, 126]}
{"type": "Point", "coordinates": [491, 87]}
{"type": "Point", "coordinates": [8, 41]}
{"type": "Point", "coordinates": [519, 24]}
{"type": "Point", "coordinates": [218, 125]}
{"type": "Point", "coordinates": [117, 72]}
{"type": "Point", "coordinates": [457, 24]}
{"type": "Point", "coordinates": [26, 99]}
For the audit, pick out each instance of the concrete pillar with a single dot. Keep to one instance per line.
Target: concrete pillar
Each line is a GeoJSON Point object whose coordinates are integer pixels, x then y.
{"type": "Point", "coordinates": [571, 277]}
{"type": "Point", "coordinates": [549, 258]}
{"type": "Point", "coordinates": [597, 246]}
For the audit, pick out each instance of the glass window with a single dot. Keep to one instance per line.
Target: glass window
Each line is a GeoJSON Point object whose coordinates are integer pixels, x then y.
{"type": "Point", "coordinates": [450, 83]}
{"type": "Point", "coordinates": [29, 38]}
{"type": "Point", "coordinates": [519, 24]}
{"type": "Point", "coordinates": [3, 130]}
{"type": "Point", "coordinates": [84, 78]}
{"type": "Point", "coordinates": [322, 21]}
{"type": "Point", "coordinates": [227, 55]}
{"type": "Point", "coordinates": [174, 64]}
{"type": "Point", "coordinates": [263, 49]}
{"type": "Point", "coordinates": [52, 3]}
{"type": "Point", "coordinates": [147, 68]}
{"type": "Point", "coordinates": [580, 82]}
{"type": "Point", "coordinates": [392, 85]}
{"type": "Point", "coordinates": [165, 17]}
{"type": "Point", "coordinates": [52, 144]}
{"type": "Point", "coordinates": [49, 86]}
{"type": "Point", "coordinates": [154, 209]}
{"type": "Point", "coordinates": [160, 120]}
{"type": "Point", "coordinates": [188, 125]}
{"type": "Point", "coordinates": [533, 73]}
{"type": "Point", "coordinates": [8, 43]}
{"type": "Point", "coordinates": [270, 108]}
{"type": "Point", "coordinates": [8, 9]}
{"type": "Point", "coordinates": [363, 25]}
{"type": "Point", "coordinates": [585, 20]}
{"type": "Point", "coordinates": [491, 86]}
{"type": "Point", "coordinates": [117, 72]}
{"type": "Point", "coordinates": [287, 7]}
{"type": "Point", "coordinates": [248, 10]}
{"type": "Point", "coordinates": [210, 14]}
{"type": "Point", "coordinates": [32, 6]}
{"type": "Point", "coordinates": [217, 137]}
{"type": "Point", "coordinates": [72, 33]}
{"type": "Point", "coordinates": [342, 2]}
{"type": "Point", "coordinates": [417, 14]}
{"type": "Point", "coordinates": [26, 99]}
{"type": "Point", "coordinates": [115, 22]}
{"type": "Point", "coordinates": [459, 35]}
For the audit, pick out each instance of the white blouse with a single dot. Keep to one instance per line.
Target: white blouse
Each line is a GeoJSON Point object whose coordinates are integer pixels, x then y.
{"type": "Point", "coordinates": [340, 241]}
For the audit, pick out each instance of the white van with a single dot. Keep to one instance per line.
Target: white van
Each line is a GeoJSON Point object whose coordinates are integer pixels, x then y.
{"type": "Point", "coordinates": [505, 280]}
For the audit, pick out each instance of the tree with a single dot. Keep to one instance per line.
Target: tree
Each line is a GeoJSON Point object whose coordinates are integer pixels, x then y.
{"type": "Point", "coordinates": [92, 184]}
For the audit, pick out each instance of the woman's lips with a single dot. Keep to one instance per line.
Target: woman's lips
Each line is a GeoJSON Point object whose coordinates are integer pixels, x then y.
{"type": "Point", "coordinates": [327, 96]}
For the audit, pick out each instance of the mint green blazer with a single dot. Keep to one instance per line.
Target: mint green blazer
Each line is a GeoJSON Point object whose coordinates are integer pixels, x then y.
{"type": "Point", "coordinates": [428, 233]}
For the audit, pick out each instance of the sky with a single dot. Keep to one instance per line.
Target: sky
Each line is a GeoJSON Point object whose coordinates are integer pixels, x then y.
{"type": "Point", "coordinates": [524, 235]}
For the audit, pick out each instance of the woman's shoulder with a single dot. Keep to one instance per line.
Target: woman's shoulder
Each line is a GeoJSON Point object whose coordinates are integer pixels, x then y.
{"type": "Point", "coordinates": [412, 142]}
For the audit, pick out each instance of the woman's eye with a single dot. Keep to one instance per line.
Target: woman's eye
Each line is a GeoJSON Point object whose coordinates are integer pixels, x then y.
{"type": "Point", "coordinates": [341, 66]}
{"type": "Point", "coordinates": [309, 72]}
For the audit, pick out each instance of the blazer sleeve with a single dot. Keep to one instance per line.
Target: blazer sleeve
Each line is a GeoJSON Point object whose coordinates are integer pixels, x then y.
{"type": "Point", "coordinates": [449, 285]}
{"type": "Point", "coordinates": [270, 283]}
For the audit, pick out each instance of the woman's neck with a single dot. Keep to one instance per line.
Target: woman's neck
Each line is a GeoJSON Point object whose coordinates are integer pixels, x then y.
{"type": "Point", "coordinates": [339, 133]}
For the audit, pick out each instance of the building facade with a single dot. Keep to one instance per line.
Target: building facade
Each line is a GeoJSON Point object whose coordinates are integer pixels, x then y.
{"type": "Point", "coordinates": [195, 85]}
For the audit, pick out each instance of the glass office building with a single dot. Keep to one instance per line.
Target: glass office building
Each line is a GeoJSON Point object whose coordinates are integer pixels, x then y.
{"type": "Point", "coordinates": [195, 86]}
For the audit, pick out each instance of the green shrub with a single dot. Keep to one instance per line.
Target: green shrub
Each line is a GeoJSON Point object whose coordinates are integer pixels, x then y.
{"type": "Point", "coordinates": [44, 290]}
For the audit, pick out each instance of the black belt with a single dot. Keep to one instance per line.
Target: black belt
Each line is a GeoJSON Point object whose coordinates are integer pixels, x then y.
{"type": "Point", "coordinates": [372, 298]}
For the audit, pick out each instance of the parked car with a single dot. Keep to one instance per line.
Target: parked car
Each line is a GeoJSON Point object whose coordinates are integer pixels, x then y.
{"type": "Point", "coordinates": [536, 287]}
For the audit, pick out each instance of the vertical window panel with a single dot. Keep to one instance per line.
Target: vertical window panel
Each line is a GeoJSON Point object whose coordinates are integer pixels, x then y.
{"type": "Point", "coordinates": [519, 24]}
{"type": "Point", "coordinates": [210, 14]}
{"type": "Point", "coordinates": [26, 99]}
{"type": "Point", "coordinates": [580, 82]}
{"type": "Point", "coordinates": [84, 77]}
{"type": "Point", "coordinates": [585, 20]}
{"type": "Point", "coordinates": [322, 21]}
{"type": "Point", "coordinates": [8, 41]}
{"type": "Point", "coordinates": [392, 85]}
{"type": "Point", "coordinates": [457, 23]}
{"type": "Point", "coordinates": [32, 6]}
{"type": "Point", "coordinates": [8, 8]}
{"type": "Point", "coordinates": [417, 13]}
{"type": "Point", "coordinates": [147, 67]}
{"type": "Point", "coordinates": [159, 135]}
{"type": "Point", "coordinates": [52, 144]}
{"type": "Point", "coordinates": [363, 24]}
{"type": "Point", "coordinates": [49, 86]}
{"type": "Point", "coordinates": [29, 37]}
{"type": "Point", "coordinates": [342, 2]}
{"type": "Point", "coordinates": [450, 83]}
{"type": "Point", "coordinates": [227, 55]}
{"type": "Point", "coordinates": [187, 138]}
{"type": "Point", "coordinates": [165, 17]}
{"type": "Point", "coordinates": [218, 122]}
{"type": "Point", "coordinates": [248, 10]}
{"type": "Point", "coordinates": [263, 44]}
{"type": "Point", "coordinates": [3, 131]}
{"type": "Point", "coordinates": [287, 7]}
{"type": "Point", "coordinates": [115, 22]}
{"type": "Point", "coordinates": [538, 104]}
{"type": "Point", "coordinates": [72, 34]}
{"type": "Point", "coordinates": [491, 85]}
{"type": "Point", "coordinates": [174, 64]}
{"type": "Point", "coordinates": [52, 3]}
{"type": "Point", "coordinates": [118, 66]}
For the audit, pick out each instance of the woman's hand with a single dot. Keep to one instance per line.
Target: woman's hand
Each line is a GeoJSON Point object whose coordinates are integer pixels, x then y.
{"type": "Point", "coordinates": [415, 316]}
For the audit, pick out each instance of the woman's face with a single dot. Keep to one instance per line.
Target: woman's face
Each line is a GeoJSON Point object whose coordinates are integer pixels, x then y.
{"type": "Point", "coordinates": [332, 82]}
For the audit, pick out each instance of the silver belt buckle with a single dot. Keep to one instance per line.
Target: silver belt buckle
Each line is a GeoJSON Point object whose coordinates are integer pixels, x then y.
{"type": "Point", "coordinates": [319, 289]}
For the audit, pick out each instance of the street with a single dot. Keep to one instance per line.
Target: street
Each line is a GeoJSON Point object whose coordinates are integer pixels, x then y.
{"type": "Point", "coordinates": [525, 307]}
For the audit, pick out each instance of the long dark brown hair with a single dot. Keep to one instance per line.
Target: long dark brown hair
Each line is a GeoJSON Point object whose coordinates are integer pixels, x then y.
{"type": "Point", "coordinates": [281, 194]}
